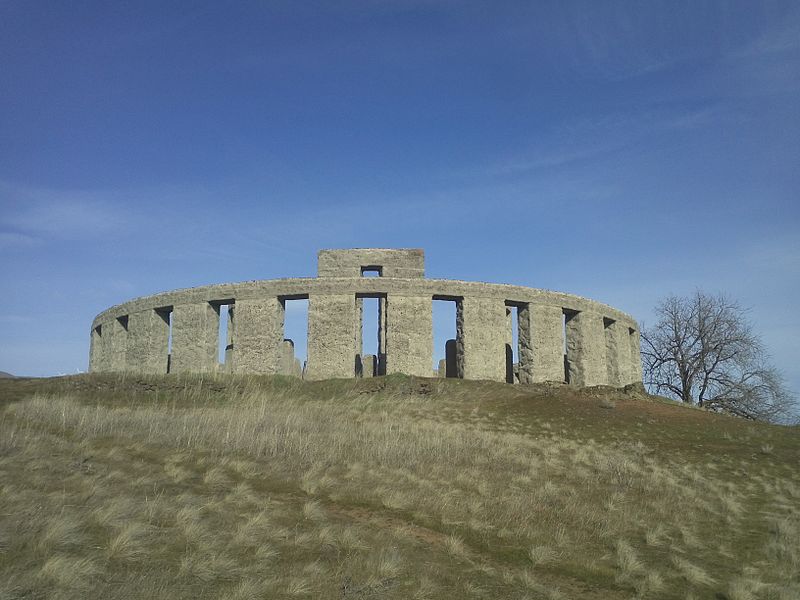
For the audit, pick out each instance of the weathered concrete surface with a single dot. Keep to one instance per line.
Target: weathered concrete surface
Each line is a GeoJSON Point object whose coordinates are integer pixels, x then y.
{"type": "Point", "coordinates": [481, 325]}
{"type": "Point", "coordinates": [370, 286]}
{"type": "Point", "coordinates": [95, 350]}
{"type": "Point", "coordinates": [623, 354]}
{"type": "Point", "coordinates": [613, 341]}
{"type": "Point", "coordinates": [368, 365]}
{"type": "Point", "coordinates": [195, 338]}
{"type": "Point", "coordinates": [404, 263]}
{"type": "Point", "coordinates": [254, 344]}
{"type": "Point", "coordinates": [148, 341]}
{"type": "Point", "coordinates": [409, 335]}
{"type": "Point", "coordinates": [457, 349]}
{"type": "Point", "coordinates": [118, 344]}
{"type": "Point", "coordinates": [586, 349]}
{"type": "Point", "coordinates": [331, 336]}
{"type": "Point", "coordinates": [257, 335]}
{"type": "Point", "coordinates": [541, 333]}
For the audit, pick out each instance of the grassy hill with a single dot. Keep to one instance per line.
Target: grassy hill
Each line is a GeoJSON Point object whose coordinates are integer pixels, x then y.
{"type": "Point", "coordinates": [232, 487]}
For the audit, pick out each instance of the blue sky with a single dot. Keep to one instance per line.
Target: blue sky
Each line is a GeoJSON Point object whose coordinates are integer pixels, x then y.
{"type": "Point", "coordinates": [622, 151]}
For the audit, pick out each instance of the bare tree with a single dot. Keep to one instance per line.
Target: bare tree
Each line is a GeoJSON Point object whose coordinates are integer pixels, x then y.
{"type": "Point", "coordinates": [703, 351]}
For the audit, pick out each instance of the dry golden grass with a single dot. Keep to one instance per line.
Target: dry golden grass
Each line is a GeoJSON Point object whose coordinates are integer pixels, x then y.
{"type": "Point", "coordinates": [284, 490]}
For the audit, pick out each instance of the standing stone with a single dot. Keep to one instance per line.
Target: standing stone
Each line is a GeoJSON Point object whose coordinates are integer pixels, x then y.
{"type": "Point", "coordinates": [453, 363]}
{"type": "Point", "coordinates": [289, 365]}
{"type": "Point", "coordinates": [195, 338]}
{"type": "Point", "coordinates": [586, 349]}
{"type": "Point", "coordinates": [117, 344]}
{"type": "Point", "coordinates": [541, 343]}
{"type": "Point", "coordinates": [148, 340]}
{"type": "Point", "coordinates": [603, 343]}
{"type": "Point", "coordinates": [480, 326]}
{"type": "Point", "coordinates": [509, 364]}
{"type": "Point", "coordinates": [613, 342]}
{"type": "Point", "coordinates": [367, 365]}
{"type": "Point", "coordinates": [331, 336]}
{"type": "Point", "coordinates": [623, 353]}
{"type": "Point", "coordinates": [95, 350]}
{"type": "Point", "coordinates": [409, 335]}
{"type": "Point", "coordinates": [257, 335]}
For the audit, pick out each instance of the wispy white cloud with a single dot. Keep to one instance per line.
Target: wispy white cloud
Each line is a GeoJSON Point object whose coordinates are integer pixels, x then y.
{"type": "Point", "coordinates": [38, 214]}
{"type": "Point", "coordinates": [768, 64]}
{"type": "Point", "coordinates": [11, 240]}
{"type": "Point", "coordinates": [782, 37]}
{"type": "Point", "coordinates": [45, 214]}
{"type": "Point", "coordinates": [587, 138]}
{"type": "Point", "coordinates": [616, 43]}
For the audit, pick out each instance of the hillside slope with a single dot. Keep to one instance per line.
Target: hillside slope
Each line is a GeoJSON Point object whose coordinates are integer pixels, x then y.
{"type": "Point", "coordinates": [234, 487]}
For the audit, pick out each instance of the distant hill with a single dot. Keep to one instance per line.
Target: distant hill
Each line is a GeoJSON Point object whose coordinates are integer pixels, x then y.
{"type": "Point", "coordinates": [4, 375]}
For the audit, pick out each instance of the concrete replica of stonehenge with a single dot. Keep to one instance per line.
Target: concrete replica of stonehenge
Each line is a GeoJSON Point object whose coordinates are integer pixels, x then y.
{"type": "Point", "coordinates": [560, 337]}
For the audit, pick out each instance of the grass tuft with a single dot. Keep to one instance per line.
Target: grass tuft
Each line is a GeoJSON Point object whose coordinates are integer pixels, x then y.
{"type": "Point", "coordinates": [695, 575]}
{"type": "Point", "coordinates": [72, 573]}
{"type": "Point", "coordinates": [248, 487]}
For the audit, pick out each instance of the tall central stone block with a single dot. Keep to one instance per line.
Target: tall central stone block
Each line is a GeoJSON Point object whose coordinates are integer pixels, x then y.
{"type": "Point", "coordinates": [409, 335]}
{"type": "Point", "coordinates": [394, 262]}
{"type": "Point", "coordinates": [258, 336]}
{"type": "Point", "coordinates": [586, 349]}
{"type": "Point", "coordinates": [195, 335]}
{"type": "Point", "coordinates": [481, 338]}
{"type": "Point", "coordinates": [541, 343]}
{"type": "Point", "coordinates": [331, 336]}
{"type": "Point", "coordinates": [148, 340]}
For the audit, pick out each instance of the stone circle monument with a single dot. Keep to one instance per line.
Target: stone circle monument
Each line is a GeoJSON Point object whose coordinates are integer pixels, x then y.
{"type": "Point", "coordinates": [560, 337]}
